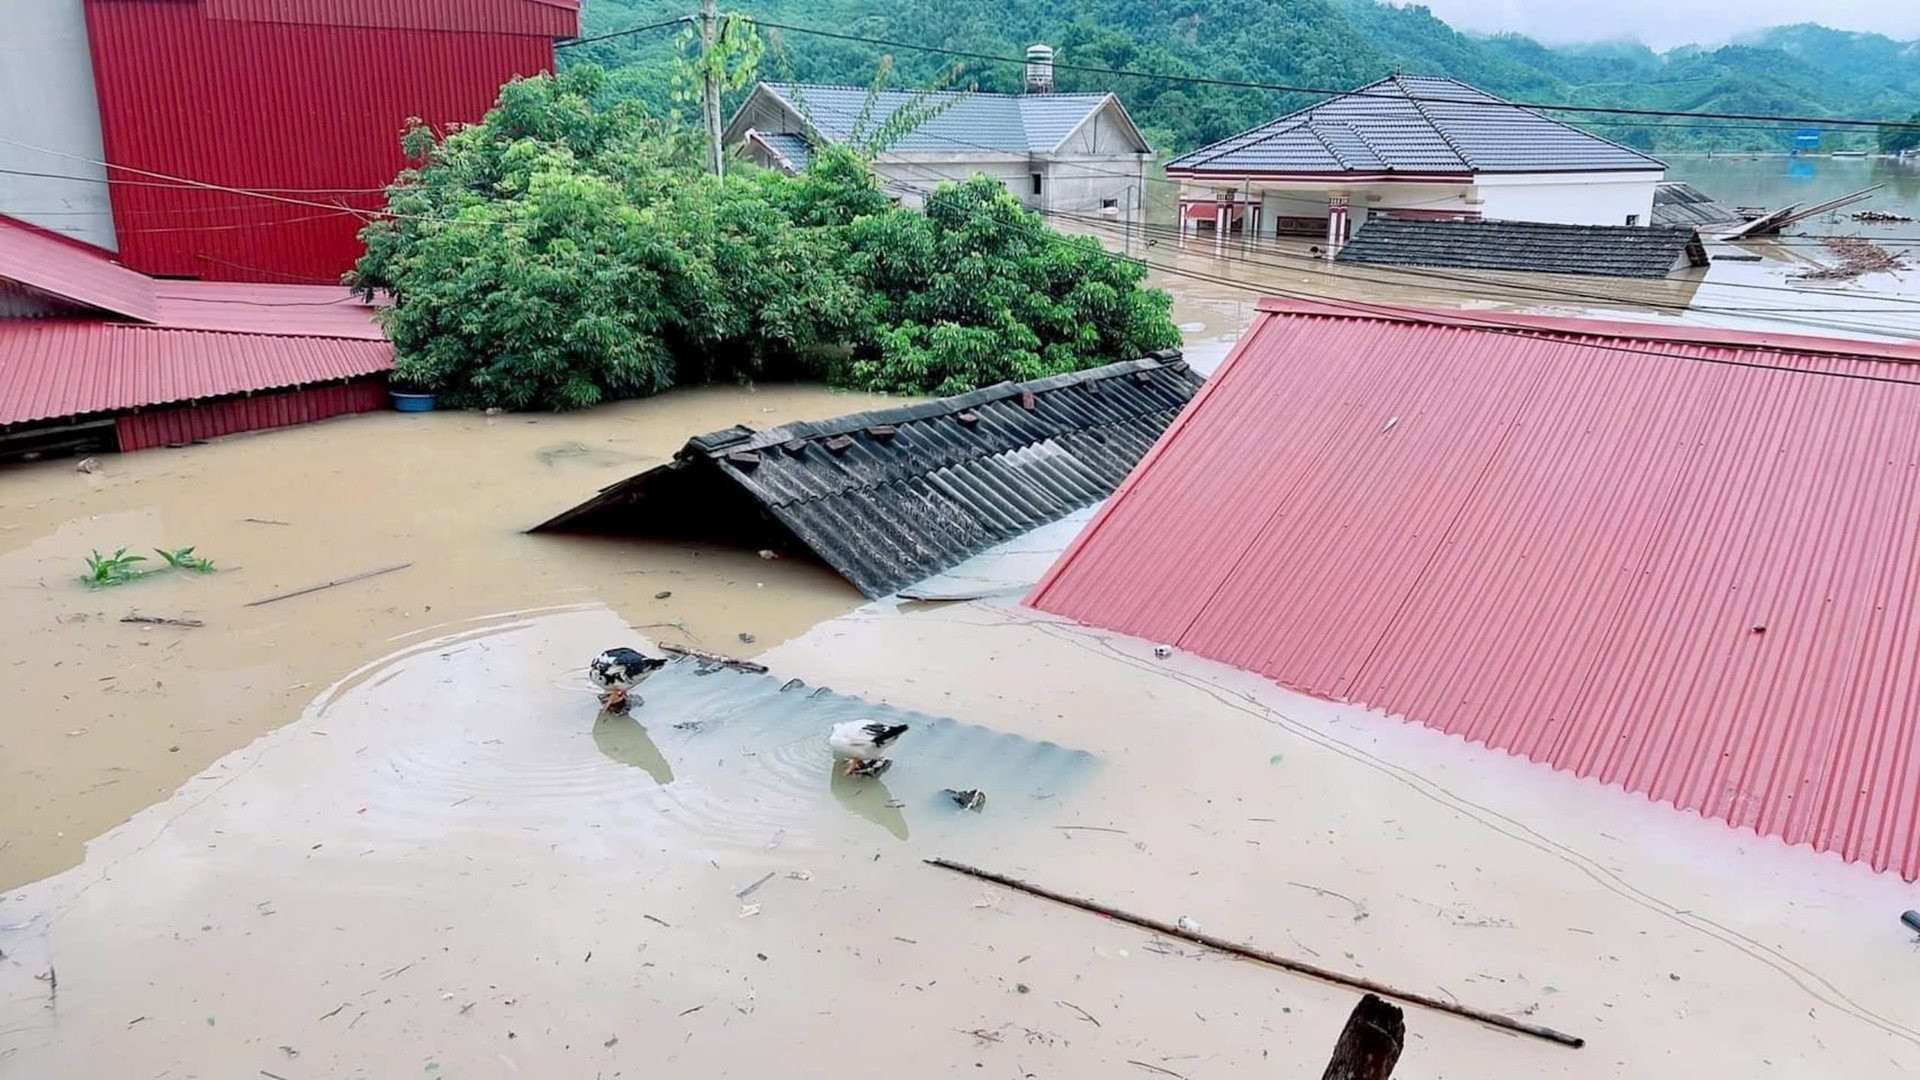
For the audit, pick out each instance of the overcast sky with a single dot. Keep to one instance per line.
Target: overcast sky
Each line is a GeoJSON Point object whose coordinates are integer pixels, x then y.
{"type": "Point", "coordinates": [1665, 23]}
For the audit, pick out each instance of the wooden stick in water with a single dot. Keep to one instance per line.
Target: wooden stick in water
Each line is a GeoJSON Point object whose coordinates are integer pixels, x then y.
{"type": "Point", "coordinates": [1248, 952]}
{"type": "Point", "coordinates": [363, 575]}
{"type": "Point", "coordinates": [714, 658]}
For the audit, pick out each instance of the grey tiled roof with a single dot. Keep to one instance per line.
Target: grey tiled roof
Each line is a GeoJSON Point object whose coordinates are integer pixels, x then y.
{"type": "Point", "coordinates": [792, 147]}
{"type": "Point", "coordinates": [1007, 123]}
{"type": "Point", "coordinates": [891, 497]}
{"type": "Point", "coordinates": [1679, 203]}
{"type": "Point", "coordinates": [1528, 246]}
{"type": "Point", "coordinates": [1413, 123]}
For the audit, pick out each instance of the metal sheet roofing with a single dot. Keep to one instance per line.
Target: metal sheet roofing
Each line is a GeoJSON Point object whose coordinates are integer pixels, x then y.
{"type": "Point", "coordinates": [1412, 124]}
{"type": "Point", "coordinates": [969, 122]}
{"type": "Point", "coordinates": [325, 100]}
{"type": "Point", "coordinates": [53, 368]}
{"type": "Point", "coordinates": [892, 496]}
{"type": "Point", "coordinates": [548, 18]}
{"type": "Point", "coordinates": [1684, 562]}
{"type": "Point", "coordinates": [1677, 202]}
{"type": "Point", "coordinates": [1527, 246]}
{"type": "Point", "coordinates": [792, 149]}
{"type": "Point", "coordinates": [73, 273]}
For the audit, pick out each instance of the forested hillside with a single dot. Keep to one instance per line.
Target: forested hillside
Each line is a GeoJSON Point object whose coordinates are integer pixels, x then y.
{"type": "Point", "coordinates": [1802, 70]}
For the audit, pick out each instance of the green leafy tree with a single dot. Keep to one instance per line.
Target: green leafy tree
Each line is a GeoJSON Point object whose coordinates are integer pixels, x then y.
{"type": "Point", "coordinates": [558, 254]}
{"type": "Point", "coordinates": [1899, 140]}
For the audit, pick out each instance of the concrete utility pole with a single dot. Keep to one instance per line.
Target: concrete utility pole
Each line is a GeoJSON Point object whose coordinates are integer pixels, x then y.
{"type": "Point", "coordinates": [710, 87]}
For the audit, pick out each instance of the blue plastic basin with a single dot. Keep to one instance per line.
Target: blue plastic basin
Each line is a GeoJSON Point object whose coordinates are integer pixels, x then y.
{"type": "Point", "coordinates": [412, 402]}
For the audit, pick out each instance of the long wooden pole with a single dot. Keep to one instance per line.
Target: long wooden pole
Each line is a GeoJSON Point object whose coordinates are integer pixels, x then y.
{"type": "Point", "coordinates": [1248, 952]}
{"type": "Point", "coordinates": [710, 87]}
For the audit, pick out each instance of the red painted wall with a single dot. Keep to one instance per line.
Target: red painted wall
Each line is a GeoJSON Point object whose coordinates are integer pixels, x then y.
{"type": "Point", "coordinates": [288, 97]}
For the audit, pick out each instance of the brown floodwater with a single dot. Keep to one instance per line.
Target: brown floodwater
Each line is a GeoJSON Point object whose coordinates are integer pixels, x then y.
{"type": "Point", "coordinates": [449, 866]}
{"type": "Point", "coordinates": [104, 717]}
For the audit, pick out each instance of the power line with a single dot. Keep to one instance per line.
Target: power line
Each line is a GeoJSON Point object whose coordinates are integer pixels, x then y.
{"type": "Point", "coordinates": [571, 42]}
{"type": "Point", "coordinates": [1243, 84]}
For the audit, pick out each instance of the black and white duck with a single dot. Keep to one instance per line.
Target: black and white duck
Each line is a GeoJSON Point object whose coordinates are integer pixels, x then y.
{"type": "Point", "coordinates": [617, 671]}
{"type": "Point", "coordinates": [860, 742]}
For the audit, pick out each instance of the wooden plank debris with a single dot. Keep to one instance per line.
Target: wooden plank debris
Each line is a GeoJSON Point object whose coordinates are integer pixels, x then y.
{"type": "Point", "coordinates": [1248, 952]}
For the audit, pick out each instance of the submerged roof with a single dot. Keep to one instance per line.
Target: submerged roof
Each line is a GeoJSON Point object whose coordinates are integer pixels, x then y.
{"type": "Point", "coordinates": [1676, 202]}
{"type": "Point", "coordinates": [892, 496]}
{"type": "Point", "coordinates": [1527, 246]}
{"type": "Point", "coordinates": [1678, 560]}
{"type": "Point", "coordinates": [117, 339]}
{"type": "Point", "coordinates": [967, 121]}
{"type": "Point", "coordinates": [1413, 124]}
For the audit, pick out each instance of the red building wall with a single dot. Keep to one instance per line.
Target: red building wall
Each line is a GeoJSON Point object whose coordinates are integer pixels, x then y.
{"type": "Point", "coordinates": [302, 100]}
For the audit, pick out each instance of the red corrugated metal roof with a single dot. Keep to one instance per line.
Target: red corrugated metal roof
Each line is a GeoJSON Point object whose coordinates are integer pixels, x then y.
{"type": "Point", "coordinates": [281, 310]}
{"type": "Point", "coordinates": [68, 367]}
{"type": "Point", "coordinates": [1684, 562]}
{"type": "Point", "coordinates": [68, 270]}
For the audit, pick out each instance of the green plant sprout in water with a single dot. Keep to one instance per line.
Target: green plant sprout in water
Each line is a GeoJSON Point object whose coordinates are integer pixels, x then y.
{"type": "Point", "coordinates": [185, 559]}
{"type": "Point", "coordinates": [115, 569]}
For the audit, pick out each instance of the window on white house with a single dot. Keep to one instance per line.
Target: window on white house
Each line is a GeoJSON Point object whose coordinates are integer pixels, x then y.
{"type": "Point", "coordinates": [1037, 180]}
{"type": "Point", "coordinates": [1109, 204]}
{"type": "Point", "coordinates": [1633, 219]}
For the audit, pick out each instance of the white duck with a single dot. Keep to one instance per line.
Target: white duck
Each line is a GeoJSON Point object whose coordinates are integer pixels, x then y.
{"type": "Point", "coordinates": [860, 743]}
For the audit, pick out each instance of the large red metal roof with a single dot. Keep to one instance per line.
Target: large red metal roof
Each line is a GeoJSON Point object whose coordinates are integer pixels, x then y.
{"type": "Point", "coordinates": [72, 273]}
{"type": "Point", "coordinates": [1683, 562]}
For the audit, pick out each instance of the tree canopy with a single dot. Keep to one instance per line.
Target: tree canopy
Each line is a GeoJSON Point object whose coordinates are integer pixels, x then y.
{"type": "Point", "coordinates": [560, 253]}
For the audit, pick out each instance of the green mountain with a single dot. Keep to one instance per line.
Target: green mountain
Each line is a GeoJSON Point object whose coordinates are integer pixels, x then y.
{"type": "Point", "coordinates": [1804, 70]}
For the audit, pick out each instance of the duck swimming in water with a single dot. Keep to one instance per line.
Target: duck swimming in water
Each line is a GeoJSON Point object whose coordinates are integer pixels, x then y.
{"type": "Point", "coordinates": [860, 743]}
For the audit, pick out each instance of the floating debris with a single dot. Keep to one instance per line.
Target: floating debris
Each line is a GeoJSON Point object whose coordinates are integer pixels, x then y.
{"type": "Point", "coordinates": [968, 799]}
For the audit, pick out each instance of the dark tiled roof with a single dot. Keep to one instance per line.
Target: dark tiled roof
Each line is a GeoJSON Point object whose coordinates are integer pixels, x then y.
{"type": "Point", "coordinates": [1680, 203]}
{"type": "Point", "coordinates": [794, 149]}
{"type": "Point", "coordinates": [1528, 246]}
{"type": "Point", "coordinates": [890, 497]}
{"type": "Point", "coordinates": [1413, 123]}
{"type": "Point", "coordinates": [1004, 123]}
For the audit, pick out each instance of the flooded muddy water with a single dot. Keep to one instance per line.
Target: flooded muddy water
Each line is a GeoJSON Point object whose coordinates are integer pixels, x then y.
{"type": "Point", "coordinates": [104, 717]}
{"type": "Point", "coordinates": [450, 866]}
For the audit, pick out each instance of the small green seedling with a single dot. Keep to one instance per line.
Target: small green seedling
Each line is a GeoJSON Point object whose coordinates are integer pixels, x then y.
{"type": "Point", "coordinates": [185, 559]}
{"type": "Point", "coordinates": [115, 569]}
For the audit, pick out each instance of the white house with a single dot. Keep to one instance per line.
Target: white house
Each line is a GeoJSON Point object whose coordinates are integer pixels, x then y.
{"type": "Point", "coordinates": [1064, 153]}
{"type": "Point", "coordinates": [1412, 147]}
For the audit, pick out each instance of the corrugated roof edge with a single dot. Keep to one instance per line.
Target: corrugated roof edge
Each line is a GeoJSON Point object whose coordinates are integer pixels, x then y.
{"type": "Point", "coordinates": [741, 437]}
{"type": "Point", "coordinates": [1559, 326]}
{"type": "Point", "coordinates": [1568, 326]}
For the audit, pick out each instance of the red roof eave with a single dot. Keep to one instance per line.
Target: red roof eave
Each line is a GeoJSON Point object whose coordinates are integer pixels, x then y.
{"type": "Point", "coordinates": [1580, 327]}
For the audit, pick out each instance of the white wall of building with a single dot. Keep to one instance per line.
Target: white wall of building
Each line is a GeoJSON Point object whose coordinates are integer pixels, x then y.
{"type": "Point", "coordinates": [1605, 198]}
{"type": "Point", "coordinates": [47, 101]}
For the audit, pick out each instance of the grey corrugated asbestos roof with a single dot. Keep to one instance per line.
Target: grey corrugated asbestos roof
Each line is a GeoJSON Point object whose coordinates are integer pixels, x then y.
{"type": "Point", "coordinates": [1679, 203]}
{"type": "Point", "coordinates": [1527, 246]}
{"type": "Point", "coordinates": [1414, 123]}
{"type": "Point", "coordinates": [892, 496]}
{"type": "Point", "coordinates": [1002, 123]}
{"type": "Point", "coordinates": [792, 147]}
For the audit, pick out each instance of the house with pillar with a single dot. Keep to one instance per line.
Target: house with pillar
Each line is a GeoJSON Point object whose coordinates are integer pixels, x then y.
{"type": "Point", "coordinates": [1411, 146]}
